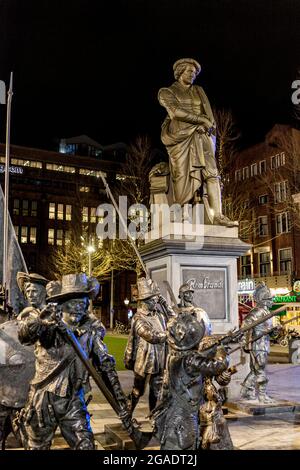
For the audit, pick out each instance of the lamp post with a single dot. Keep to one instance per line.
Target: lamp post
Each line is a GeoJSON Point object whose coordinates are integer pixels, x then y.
{"type": "Point", "coordinates": [90, 250]}
{"type": "Point", "coordinates": [126, 302]}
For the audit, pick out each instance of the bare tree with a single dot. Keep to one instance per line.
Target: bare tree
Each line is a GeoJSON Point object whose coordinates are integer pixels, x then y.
{"type": "Point", "coordinates": [236, 203]}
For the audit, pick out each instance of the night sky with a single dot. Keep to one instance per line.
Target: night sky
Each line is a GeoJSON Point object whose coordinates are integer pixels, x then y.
{"type": "Point", "coordinates": [94, 67]}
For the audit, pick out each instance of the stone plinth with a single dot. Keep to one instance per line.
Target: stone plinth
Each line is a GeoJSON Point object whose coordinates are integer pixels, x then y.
{"type": "Point", "coordinates": [255, 408]}
{"type": "Point", "coordinates": [203, 255]}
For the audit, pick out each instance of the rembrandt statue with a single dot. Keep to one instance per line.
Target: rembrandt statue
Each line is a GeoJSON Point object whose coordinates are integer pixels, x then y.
{"type": "Point", "coordinates": [188, 132]}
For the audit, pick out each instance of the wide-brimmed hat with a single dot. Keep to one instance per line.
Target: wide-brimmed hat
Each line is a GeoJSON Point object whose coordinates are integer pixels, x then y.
{"type": "Point", "coordinates": [32, 278]}
{"type": "Point", "coordinates": [184, 332]}
{"type": "Point", "coordinates": [185, 288]}
{"type": "Point", "coordinates": [74, 286]}
{"type": "Point", "coordinates": [146, 289]}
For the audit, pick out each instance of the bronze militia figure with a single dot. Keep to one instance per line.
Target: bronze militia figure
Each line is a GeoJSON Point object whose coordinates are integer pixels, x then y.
{"type": "Point", "coordinates": [145, 352]}
{"type": "Point", "coordinates": [177, 415]}
{"type": "Point", "coordinates": [57, 392]}
{"type": "Point", "coordinates": [255, 384]}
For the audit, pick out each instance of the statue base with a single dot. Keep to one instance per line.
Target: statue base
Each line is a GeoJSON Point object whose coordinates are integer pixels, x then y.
{"type": "Point", "coordinates": [205, 256]}
{"type": "Point", "coordinates": [255, 408]}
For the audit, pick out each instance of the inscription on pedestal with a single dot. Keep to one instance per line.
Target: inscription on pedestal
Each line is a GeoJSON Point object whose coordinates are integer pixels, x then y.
{"type": "Point", "coordinates": [210, 289]}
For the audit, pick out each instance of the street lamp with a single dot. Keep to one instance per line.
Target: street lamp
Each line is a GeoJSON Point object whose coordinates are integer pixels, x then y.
{"type": "Point", "coordinates": [90, 250]}
{"type": "Point", "coordinates": [126, 302]}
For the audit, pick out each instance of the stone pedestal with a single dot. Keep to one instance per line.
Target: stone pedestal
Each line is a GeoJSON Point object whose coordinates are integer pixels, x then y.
{"type": "Point", "coordinates": [205, 256]}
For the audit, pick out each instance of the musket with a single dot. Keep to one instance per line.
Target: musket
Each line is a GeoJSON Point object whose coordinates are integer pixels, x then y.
{"type": "Point", "coordinates": [267, 332]}
{"type": "Point", "coordinates": [140, 438]}
{"type": "Point", "coordinates": [233, 336]}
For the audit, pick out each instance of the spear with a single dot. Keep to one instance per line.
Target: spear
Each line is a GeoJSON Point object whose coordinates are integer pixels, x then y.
{"type": "Point", "coordinates": [6, 190]}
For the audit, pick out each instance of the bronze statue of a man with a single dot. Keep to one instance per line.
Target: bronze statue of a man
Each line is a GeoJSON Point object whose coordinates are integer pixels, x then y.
{"type": "Point", "coordinates": [188, 132]}
{"type": "Point", "coordinates": [57, 392]}
{"type": "Point", "coordinates": [255, 384]}
{"type": "Point", "coordinates": [146, 352]}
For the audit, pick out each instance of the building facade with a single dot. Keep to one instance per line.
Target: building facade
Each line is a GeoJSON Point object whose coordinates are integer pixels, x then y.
{"type": "Point", "coordinates": [54, 199]}
{"type": "Point", "coordinates": [265, 178]}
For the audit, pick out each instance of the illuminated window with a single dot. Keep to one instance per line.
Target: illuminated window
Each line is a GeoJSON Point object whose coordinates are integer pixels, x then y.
{"type": "Point", "coordinates": [52, 210]}
{"type": "Point", "coordinates": [33, 208]}
{"type": "Point", "coordinates": [55, 167]}
{"type": "Point", "coordinates": [24, 234]}
{"type": "Point", "coordinates": [51, 236]}
{"type": "Point", "coordinates": [93, 215]}
{"type": "Point", "coordinates": [25, 207]}
{"type": "Point", "coordinates": [90, 172]}
{"type": "Point", "coordinates": [29, 163]}
{"type": "Point", "coordinates": [84, 189]}
{"type": "Point", "coordinates": [16, 208]}
{"type": "Point", "coordinates": [68, 212]}
{"type": "Point", "coordinates": [33, 235]}
{"type": "Point", "coordinates": [59, 237]}
{"type": "Point", "coordinates": [85, 214]}
{"type": "Point", "coordinates": [60, 212]}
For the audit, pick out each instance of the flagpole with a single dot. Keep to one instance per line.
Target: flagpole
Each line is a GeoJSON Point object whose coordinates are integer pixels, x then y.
{"type": "Point", "coordinates": [6, 186]}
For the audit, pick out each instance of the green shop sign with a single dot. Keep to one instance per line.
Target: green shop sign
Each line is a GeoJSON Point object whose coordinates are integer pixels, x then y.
{"type": "Point", "coordinates": [285, 299]}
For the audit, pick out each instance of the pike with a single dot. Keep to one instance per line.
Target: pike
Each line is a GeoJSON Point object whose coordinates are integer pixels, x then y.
{"type": "Point", "coordinates": [124, 225]}
{"type": "Point", "coordinates": [140, 438]}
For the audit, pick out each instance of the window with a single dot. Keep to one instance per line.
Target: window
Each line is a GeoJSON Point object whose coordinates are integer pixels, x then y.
{"type": "Point", "coordinates": [253, 169]}
{"type": "Point", "coordinates": [262, 166]}
{"type": "Point", "coordinates": [17, 231]}
{"type": "Point", "coordinates": [32, 235]}
{"type": "Point", "coordinates": [63, 168]}
{"type": "Point", "coordinates": [16, 208]}
{"type": "Point", "coordinates": [24, 234]}
{"type": "Point", "coordinates": [30, 163]}
{"type": "Point", "coordinates": [59, 237]}
{"type": "Point", "coordinates": [51, 236]}
{"type": "Point", "coordinates": [52, 210]}
{"type": "Point", "coordinates": [263, 199]}
{"type": "Point", "coordinates": [68, 212]}
{"type": "Point", "coordinates": [25, 206]}
{"type": "Point", "coordinates": [85, 214]}
{"type": "Point", "coordinates": [277, 160]}
{"type": "Point", "coordinates": [93, 215]}
{"type": "Point", "coordinates": [264, 264]}
{"type": "Point", "coordinates": [246, 266]}
{"type": "Point", "coordinates": [245, 172]}
{"type": "Point", "coordinates": [90, 172]}
{"type": "Point", "coordinates": [281, 191]}
{"type": "Point", "coordinates": [263, 226]}
{"type": "Point", "coordinates": [283, 223]}
{"type": "Point", "coordinates": [33, 209]}
{"type": "Point", "coordinates": [84, 189]}
{"type": "Point", "coordinates": [60, 212]}
{"type": "Point", "coordinates": [285, 260]}
{"type": "Point", "coordinates": [67, 237]}
{"type": "Point", "coordinates": [238, 176]}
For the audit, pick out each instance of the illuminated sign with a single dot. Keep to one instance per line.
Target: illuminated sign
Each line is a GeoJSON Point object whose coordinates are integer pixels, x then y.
{"type": "Point", "coordinates": [285, 299]}
{"type": "Point", "coordinates": [246, 285]}
{"type": "Point", "coordinates": [15, 170]}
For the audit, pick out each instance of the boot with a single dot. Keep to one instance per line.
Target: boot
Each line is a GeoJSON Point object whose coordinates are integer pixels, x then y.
{"type": "Point", "coordinates": [248, 393]}
{"type": "Point", "coordinates": [215, 203]}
